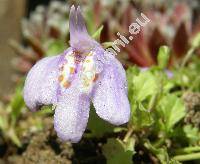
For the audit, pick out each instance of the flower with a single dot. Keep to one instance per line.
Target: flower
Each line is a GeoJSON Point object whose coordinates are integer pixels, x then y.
{"type": "Point", "coordinates": [84, 72]}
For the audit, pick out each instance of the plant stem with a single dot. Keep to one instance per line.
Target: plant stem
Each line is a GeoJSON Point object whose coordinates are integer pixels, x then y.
{"type": "Point", "coordinates": [187, 157]}
{"type": "Point", "coordinates": [187, 57]}
{"type": "Point", "coordinates": [128, 134]}
{"type": "Point", "coordinates": [188, 149]}
{"type": "Point", "coordinates": [185, 60]}
{"type": "Point", "coordinates": [152, 102]}
{"type": "Point", "coordinates": [159, 142]}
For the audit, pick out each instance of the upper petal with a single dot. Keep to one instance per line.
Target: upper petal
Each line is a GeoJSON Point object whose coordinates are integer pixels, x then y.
{"type": "Point", "coordinates": [71, 114]}
{"type": "Point", "coordinates": [110, 93]}
{"type": "Point", "coordinates": [79, 37]}
{"type": "Point", "coordinates": [41, 83]}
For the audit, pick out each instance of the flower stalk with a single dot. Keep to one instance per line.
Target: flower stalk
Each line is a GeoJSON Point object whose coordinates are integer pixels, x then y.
{"type": "Point", "coordinates": [187, 157]}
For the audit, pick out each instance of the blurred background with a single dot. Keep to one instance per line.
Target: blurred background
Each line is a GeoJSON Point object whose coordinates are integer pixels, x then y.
{"type": "Point", "coordinates": [11, 15]}
{"type": "Point", "coordinates": [33, 29]}
{"type": "Point", "coordinates": [25, 23]}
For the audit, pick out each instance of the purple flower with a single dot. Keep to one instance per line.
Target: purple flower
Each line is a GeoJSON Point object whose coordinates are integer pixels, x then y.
{"type": "Point", "coordinates": [169, 74]}
{"type": "Point", "coordinates": [84, 72]}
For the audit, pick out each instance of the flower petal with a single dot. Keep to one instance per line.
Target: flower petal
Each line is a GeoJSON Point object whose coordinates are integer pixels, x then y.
{"type": "Point", "coordinates": [110, 93]}
{"type": "Point", "coordinates": [80, 22]}
{"type": "Point", "coordinates": [72, 22]}
{"type": "Point", "coordinates": [71, 114]}
{"type": "Point", "coordinates": [79, 38]}
{"type": "Point", "coordinates": [41, 83]}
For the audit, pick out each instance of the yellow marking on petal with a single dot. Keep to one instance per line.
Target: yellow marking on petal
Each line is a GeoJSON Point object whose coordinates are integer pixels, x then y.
{"type": "Point", "coordinates": [60, 78]}
{"type": "Point", "coordinates": [67, 70]}
{"type": "Point", "coordinates": [90, 54]}
{"type": "Point", "coordinates": [88, 74]}
{"type": "Point", "coordinates": [72, 70]}
{"type": "Point", "coordinates": [96, 77]}
{"type": "Point", "coordinates": [66, 84]}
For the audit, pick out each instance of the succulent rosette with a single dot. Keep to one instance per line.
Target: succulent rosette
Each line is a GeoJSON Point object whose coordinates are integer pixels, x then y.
{"type": "Point", "coordinates": [83, 73]}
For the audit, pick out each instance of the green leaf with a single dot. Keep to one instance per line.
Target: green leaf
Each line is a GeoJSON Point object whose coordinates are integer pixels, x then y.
{"type": "Point", "coordinates": [144, 85]}
{"type": "Point", "coordinates": [107, 44]}
{"type": "Point", "coordinates": [89, 15]}
{"type": "Point", "coordinates": [117, 153]}
{"type": "Point", "coordinates": [97, 126]}
{"type": "Point", "coordinates": [163, 56]}
{"type": "Point", "coordinates": [45, 110]}
{"type": "Point", "coordinates": [119, 129]}
{"type": "Point", "coordinates": [3, 122]}
{"type": "Point", "coordinates": [13, 136]}
{"type": "Point", "coordinates": [160, 153]}
{"type": "Point", "coordinates": [55, 46]}
{"type": "Point", "coordinates": [192, 134]}
{"type": "Point", "coordinates": [173, 161]}
{"type": "Point", "coordinates": [97, 34]}
{"type": "Point", "coordinates": [196, 41]}
{"type": "Point", "coordinates": [171, 110]}
{"type": "Point", "coordinates": [17, 103]}
{"type": "Point", "coordinates": [141, 117]}
{"type": "Point", "coordinates": [131, 73]}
